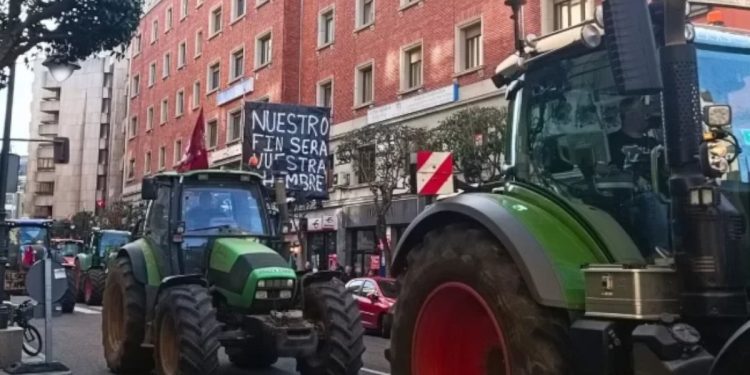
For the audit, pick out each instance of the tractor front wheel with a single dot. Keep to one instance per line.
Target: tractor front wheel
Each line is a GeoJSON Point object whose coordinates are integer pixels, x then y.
{"type": "Point", "coordinates": [186, 339]}
{"type": "Point", "coordinates": [124, 321]}
{"type": "Point", "coordinates": [93, 286]}
{"type": "Point", "coordinates": [68, 301]}
{"type": "Point", "coordinates": [465, 309]}
{"type": "Point", "coordinates": [340, 344]}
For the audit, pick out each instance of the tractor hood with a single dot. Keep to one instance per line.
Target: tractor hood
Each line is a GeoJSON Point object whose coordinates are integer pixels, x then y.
{"type": "Point", "coordinates": [237, 264]}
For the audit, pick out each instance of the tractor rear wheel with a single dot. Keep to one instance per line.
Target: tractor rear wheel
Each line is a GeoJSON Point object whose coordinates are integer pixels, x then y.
{"type": "Point", "coordinates": [251, 358]}
{"type": "Point", "coordinates": [340, 345]}
{"type": "Point", "coordinates": [93, 286]}
{"type": "Point", "coordinates": [124, 321]}
{"type": "Point", "coordinates": [464, 309]}
{"type": "Point", "coordinates": [186, 339]}
{"type": "Point", "coordinates": [68, 301]}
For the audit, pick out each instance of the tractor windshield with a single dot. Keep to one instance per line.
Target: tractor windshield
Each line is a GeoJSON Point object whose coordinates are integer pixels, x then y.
{"type": "Point", "coordinates": [211, 210]}
{"type": "Point", "coordinates": [69, 249]}
{"type": "Point", "coordinates": [111, 241]}
{"type": "Point", "coordinates": [585, 142]}
{"type": "Point", "coordinates": [24, 235]}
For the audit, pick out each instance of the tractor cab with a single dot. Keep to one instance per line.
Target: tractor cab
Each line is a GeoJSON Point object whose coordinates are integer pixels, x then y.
{"type": "Point", "coordinates": [66, 250]}
{"type": "Point", "coordinates": [27, 241]}
{"type": "Point", "coordinates": [104, 242]}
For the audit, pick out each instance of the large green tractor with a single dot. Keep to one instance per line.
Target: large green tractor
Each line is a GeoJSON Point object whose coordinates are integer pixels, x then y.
{"type": "Point", "coordinates": [618, 244]}
{"type": "Point", "coordinates": [207, 273]}
{"type": "Point", "coordinates": [91, 266]}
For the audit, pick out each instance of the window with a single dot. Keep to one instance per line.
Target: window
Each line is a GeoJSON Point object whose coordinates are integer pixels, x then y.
{"type": "Point", "coordinates": [150, 118]}
{"type": "Point", "coordinates": [365, 164]}
{"type": "Point", "coordinates": [198, 43]}
{"type": "Point", "coordinates": [212, 134]}
{"type": "Point", "coordinates": [325, 28]}
{"type": "Point", "coordinates": [238, 9]}
{"type": "Point", "coordinates": [368, 288]}
{"type": "Point", "coordinates": [181, 54]}
{"type": "Point", "coordinates": [569, 12]}
{"type": "Point", "coordinates": [363, 89]}
{"type": "Point", "coordinates": [469, 49]}
{"type": "Point", "coordinates": [167, 64]}
{"type": "Point", "coordinates": [133, 129]}
{"type": "Point", "coordinates": [263, 50]}
{"type": "Point", "coordinates": [151, 74]}
{"type": "Point", "coordinates": [169, 20]}
{"type": "Point", "coordinates": [234, 125]}
{"type": "Point", "coordinates": [45, 188]}
{"type": "Point", "coordinates": [164, 111]}
{"type": "Point", "coordinates": [325, 94]}
{"type": "Point", "coordinates": [147, 163]}
{"type": "Point", "coordinates": [177, 152]}
{"type": "Point", "coordinates": [183, 9]}
{"type": "Point", "coordinates": [196, 94]}
{"type": "Point", "coordinates": [154, 31]}
{"type": "Point", "coordinates": [214, 74]}
{"type": "Point", "coordinates": [131, 169]}
{"type": "Point", "coordinates": [137, 44]}
{"type": "Point", "coordinates": [45, 164]}
{"type": "Point", "coordinates": [411, 71]}
{"type": "Point", "coordinates": [180, 103]}
{"type": "Point", "coordinates": [365, 13]}
{"type": "Point", "coordinates": [237, 62]}
{"type": "Point", "coordinates": [162, 157]}
{"type": "Point", "coordinates": [135, 88]}
{"type": "Point", "coordinates": [214, 21]}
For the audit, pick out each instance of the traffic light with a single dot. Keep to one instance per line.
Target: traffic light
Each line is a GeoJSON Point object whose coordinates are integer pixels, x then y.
{"type": "Point", "coordinates": [61, 151]}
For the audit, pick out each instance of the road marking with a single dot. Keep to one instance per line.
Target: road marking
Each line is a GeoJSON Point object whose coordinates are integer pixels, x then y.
{"type": "Point", "coordinates": [374, 372]}
{"type": "Point", "coordinates": [84, 310]}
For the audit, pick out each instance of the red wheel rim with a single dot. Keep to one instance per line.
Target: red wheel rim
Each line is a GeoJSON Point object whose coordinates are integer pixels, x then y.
{"type": "Point", "coordinates": [457, 333]}
{"type": "Point", "coordinates": [88, 289]}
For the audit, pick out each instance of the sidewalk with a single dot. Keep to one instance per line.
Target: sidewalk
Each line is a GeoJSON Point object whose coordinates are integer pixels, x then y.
{"type": "Point", "coordinates": [38, 359]}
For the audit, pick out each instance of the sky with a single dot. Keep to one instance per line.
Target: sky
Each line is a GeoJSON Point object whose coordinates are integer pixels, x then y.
{"type": "Point", "coordinates": [21, 108]}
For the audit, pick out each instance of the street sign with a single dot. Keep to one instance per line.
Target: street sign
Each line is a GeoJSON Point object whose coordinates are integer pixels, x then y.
{"type": "Point", "coordinates": [35, 281]}
{"type": "Point", "coordinates": [434, 173]}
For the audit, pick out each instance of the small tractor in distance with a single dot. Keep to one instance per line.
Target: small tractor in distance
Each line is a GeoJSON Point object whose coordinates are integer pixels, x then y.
{"type": "Point", "coordinates": [207, 273]}
{"type": "Point", "coordinates": [618, 244]}
{"type": "Point", "coordinates": [91, 265]}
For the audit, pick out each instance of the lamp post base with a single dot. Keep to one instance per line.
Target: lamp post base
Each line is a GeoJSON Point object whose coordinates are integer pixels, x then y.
{"type": "Point", "coordinates": [50, 368]}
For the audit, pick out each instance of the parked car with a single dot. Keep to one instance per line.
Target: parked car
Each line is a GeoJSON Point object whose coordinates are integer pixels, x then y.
{"type": "Point", "coordinates": [376, 297]}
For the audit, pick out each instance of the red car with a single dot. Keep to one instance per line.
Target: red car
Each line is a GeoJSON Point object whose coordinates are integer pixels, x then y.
{"type": "Point", "coordinates": [375, 297]}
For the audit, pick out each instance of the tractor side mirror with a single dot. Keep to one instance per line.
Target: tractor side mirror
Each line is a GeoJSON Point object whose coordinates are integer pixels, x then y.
{"type": "Point", "coordinates": [717, 116]}
{"type": "Point", "coordinates": [631, 46]}
{"type": "Point", "coordinates": [148, 189]}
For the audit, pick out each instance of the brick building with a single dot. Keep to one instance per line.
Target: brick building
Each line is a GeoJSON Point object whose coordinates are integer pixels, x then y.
{"type": "Point", "coordinates": [371, 61]}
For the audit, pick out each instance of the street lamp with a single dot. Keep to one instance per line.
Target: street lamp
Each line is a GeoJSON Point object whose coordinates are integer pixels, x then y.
{"type": "Point", "coordinates": [60, 67]}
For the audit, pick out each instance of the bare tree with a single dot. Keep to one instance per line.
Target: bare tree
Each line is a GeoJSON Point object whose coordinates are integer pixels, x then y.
{"type": "Point", "coordinates": [380, 158]}
{"type": "Point", "coordinates": [72, 28]}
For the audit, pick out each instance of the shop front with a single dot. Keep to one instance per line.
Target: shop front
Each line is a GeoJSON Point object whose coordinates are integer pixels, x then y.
{"type": "Point", "coordinates": [363, 253]}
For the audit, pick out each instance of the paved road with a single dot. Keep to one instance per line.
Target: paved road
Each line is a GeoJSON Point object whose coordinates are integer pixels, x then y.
{"type": "Point", "coordinates": [78, 345]}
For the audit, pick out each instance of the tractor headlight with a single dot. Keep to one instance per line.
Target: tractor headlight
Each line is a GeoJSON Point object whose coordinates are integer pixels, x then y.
{"type": "Point", "coordinates": [261, 294]}
{"type": "Point", "coordinates": [262, 284]}
{"type": "Point", "coordinates": [275, 289]}
{"type": "Point", "coordinates": [285, 294]}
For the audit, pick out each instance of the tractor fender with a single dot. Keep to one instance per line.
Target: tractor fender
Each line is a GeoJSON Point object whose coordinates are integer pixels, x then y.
{"type": "Point", "coordinates": [137, 259]}
{"type": "Point", "coordinates": [84, 261]}
{"type": "Point", "coordinates": [537, 269]}
{"type": "Point", "coordinates": [191, 279]}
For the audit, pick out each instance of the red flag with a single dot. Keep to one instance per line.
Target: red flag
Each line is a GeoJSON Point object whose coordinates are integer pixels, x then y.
{"type": "Point", "coordinates": [196, 155]}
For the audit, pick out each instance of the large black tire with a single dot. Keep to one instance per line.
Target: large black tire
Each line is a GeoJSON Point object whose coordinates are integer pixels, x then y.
{"type": "Point", "coordinates": [96, 278]}
{"type": "Point", "coordinates": [251, 358]}
{"type": "Point", "coordinates": [340, 349]}
{"type": "Point", "coordinates": [186, 338]}
{"type": "Point", "coordinates": [123, 321]}
{"type": "Point", "coordinates": [534, 335]}
{"type": "Point", "coordinates": [68, 301]}
{"type": "Point", "coordinates": [385, 322]}
{"type": "Point", "coordinates": [78, 273]}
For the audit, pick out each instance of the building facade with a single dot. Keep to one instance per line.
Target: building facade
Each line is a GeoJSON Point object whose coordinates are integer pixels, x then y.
{"type": "Point", "coordinates": [371, 61]}
{"type": "Point", "coordinates": [88, 109]}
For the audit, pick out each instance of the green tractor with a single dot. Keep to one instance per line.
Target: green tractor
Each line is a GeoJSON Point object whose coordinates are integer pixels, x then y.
{"type": "Point", "coordinates": [91, 266]}
{"type": "Point", "coordinates": [617, 243]}
{"type": "Point", "coordinates": [207, 273]}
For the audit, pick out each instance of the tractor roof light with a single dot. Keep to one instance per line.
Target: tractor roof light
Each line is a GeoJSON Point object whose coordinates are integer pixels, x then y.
{"type": "Point", "coordinates": [591, 35]}
{"type": "Point", "coordinates": [715, 17]}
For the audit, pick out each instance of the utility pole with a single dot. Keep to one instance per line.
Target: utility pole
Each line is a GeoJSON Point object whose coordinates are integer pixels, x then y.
{"type": "Point", "coordinates": [14, 10]}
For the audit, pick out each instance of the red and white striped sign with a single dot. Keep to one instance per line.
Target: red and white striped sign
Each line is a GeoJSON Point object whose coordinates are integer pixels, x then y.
{"type": "Point", "coordinates": [434, 173]}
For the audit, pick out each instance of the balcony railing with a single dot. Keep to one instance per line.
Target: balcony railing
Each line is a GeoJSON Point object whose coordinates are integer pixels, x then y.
{"type": "Point", "coordinates": [49, 106]}
{"type": "Point", "coordinates": [49, 130]}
